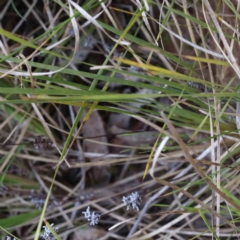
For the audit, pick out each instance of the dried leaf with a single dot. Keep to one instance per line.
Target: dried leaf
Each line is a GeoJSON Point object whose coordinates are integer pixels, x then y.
{"type": "Point", "coordinates": [94, 133]}
{"type": "Point", "coordinates": [93, 128]}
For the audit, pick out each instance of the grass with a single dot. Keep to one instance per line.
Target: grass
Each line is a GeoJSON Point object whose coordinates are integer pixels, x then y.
{"type": "Point", "coordinates": [103, 101]}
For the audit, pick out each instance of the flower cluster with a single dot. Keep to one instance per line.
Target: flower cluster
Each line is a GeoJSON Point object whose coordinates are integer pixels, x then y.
{"type": "Point", "coordinates": [9, 238]}
{"type": "Point", "coordinates": [3, 188]}
{"type": "Point", "coordinates": [47, 235]}
{"type": "Point", "coordinates": [83, 198]}
{"type": "Point", "coordinates": [89, 42]}
{"type": "Point", "coordinates": [133, 200]}
{"type": "Point", "coordinates": [42, 143]}
{"type": "Point", "coordinates": [91, 217]}
{"type": "Point", "coordinates": [39, 199]}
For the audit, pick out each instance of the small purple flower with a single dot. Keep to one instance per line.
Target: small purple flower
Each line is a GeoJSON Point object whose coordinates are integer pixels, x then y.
{"type": "Point", "coordinates": [91, 217]}
{"type": "Point", "coordinates": [133, 200]}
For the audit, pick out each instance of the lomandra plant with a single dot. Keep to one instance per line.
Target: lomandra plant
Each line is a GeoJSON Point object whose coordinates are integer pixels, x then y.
{"type": "Point", "coordinates": [100, 99]}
